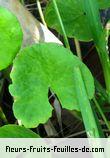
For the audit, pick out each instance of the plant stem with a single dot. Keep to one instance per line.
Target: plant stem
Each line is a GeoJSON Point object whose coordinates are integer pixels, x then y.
{"type": "Point", "coordinates": [107, 28]}
{"type": "Point", "coordinates": [104, 58]}
{"type": "Point", "coordinates": [78, 49]}
{"type": "Point", "coordinates": [22, 1]}
{"type": "Point", "coordinates": [2, 117]}
{"type": "Point", "coordinates": [84, 105]}
{"type": "Point", "coordinates": [101, 113]}
{"type": "Point", "coordinates": [100, 89]}
{"type": "Point", "coordinates": [41, 12]}
{"type": "Point", "coordinates": [76, 134]}
{"type": "Point", "coordinates": [61, 24]}
{"type": "Point", "coordinates": [98, 34]}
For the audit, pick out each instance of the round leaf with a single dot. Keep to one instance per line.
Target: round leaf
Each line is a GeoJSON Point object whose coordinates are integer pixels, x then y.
{"type": "Point", "coordinates": [39, 68]}
{"type": "Point", "coordinates": [14, 131]}
{"type": "Point", "coordinates": [73, 17]}
{"type": "Point", "coordinates": [10, 37]}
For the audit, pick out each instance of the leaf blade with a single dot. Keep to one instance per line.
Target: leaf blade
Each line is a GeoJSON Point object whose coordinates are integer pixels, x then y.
{"type": "Point", "coordinates": [15, 131]}
{"type": "Point", "coordinates": [10, 37]}
{"type": "Point", "coordinates": [41, 67]}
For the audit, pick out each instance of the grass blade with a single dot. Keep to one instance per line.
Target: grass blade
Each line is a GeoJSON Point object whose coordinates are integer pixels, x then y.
{"type": "Point", "coordinates": [85, 107]}
{"type": "Point", "coordinates": [92, 11]}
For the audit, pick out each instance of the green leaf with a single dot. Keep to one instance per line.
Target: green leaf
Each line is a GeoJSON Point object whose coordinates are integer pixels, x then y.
{"type": "Point", "coordinates": [103, 4]}
{"type": "Point", "coordinates": [38, 68]}
{"type": "Point", "coordinates": [14, 131]}
{"type": "Point", "coordinates": [73, 17]}
{"type": "Point", "coordinates": [10, 37]}
{"type": "Point", "coordinates": [84, 104]}
{"type": "Point", "coordinates": [99, 37]}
